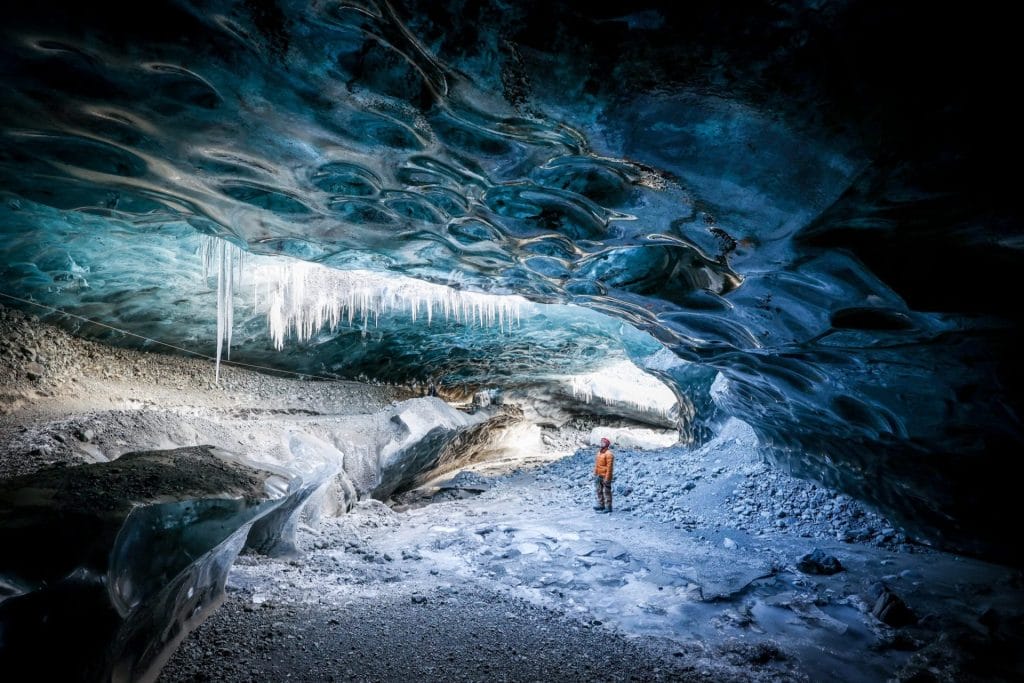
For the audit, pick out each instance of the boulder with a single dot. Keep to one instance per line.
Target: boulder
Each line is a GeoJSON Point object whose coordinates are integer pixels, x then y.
{"type": "Point", "coordinates": [819, 562]}
{"type": "Point", "coordinates": [889, 608]}
{"type": "Point", "coordinates": [34, 371]}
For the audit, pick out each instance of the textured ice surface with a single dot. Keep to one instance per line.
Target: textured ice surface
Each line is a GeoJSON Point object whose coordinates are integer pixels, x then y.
{"type": "Point", "coordinates": [624, 383]}
{"type": "Point", "coordinates": [347, 323]}
{"type": "Point", "coordinates": [634, 437]}
{"type": "Point", "coordinates": [312, 465]}
{"type": "Point", "coordinates": [800, 198]}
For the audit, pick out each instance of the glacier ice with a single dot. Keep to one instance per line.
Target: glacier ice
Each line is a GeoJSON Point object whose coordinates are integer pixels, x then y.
{"type": "Point", "coordinates": [115, 562]}
{"type": "Point", "coordinates": [224, 260]}
{"type": "Point", "coordinates": [312, 465]}
{"type": "Point", "coordinates": [622, 382]}
{"type": "Point", "coordinates": [842, 253]}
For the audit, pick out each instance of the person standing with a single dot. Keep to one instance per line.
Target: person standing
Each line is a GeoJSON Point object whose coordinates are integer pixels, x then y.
{"type": "Point", "coordinates": [604, 467]}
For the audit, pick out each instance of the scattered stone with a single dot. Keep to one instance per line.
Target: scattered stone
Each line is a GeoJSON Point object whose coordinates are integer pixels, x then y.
{"type": "Point", "coordinates": [889, 608]}
{"type": "Point", "coordinates": [34, 371]}
{"type": "Point", "coordinates": [819, 562]}
{"type": "Point", "coordinates": [467, 481]}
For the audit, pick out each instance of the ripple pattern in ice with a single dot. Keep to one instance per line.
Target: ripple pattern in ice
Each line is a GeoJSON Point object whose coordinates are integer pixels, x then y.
{"type": "Point", "coordinates": [334, 132]}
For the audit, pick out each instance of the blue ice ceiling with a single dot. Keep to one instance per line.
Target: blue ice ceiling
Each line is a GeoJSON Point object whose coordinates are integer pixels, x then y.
{"type": "Point", "coordinates": [796, 195]}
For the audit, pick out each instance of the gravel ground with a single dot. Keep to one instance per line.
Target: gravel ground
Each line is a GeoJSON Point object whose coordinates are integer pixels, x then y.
{"type": "Point", "coordinates": [719, 486]}
{"type": "Point", "coordinates": [462, 633]}
{"type": "Point", "coordinates": [46, 372]}
{"type": "Point", "coordinates": [522, 581]}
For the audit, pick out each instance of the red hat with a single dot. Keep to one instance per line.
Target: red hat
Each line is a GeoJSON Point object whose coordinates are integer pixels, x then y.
{"type": "Point", "coordinates": [605, 441]}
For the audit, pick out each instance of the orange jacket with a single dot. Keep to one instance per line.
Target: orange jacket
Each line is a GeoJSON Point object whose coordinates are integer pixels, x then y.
{"type": "Point", "coordinates": [605, 464]}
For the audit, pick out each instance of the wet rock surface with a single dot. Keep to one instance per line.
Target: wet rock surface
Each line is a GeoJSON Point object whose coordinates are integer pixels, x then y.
{"type": "Point", "coordinates": [889, 608]}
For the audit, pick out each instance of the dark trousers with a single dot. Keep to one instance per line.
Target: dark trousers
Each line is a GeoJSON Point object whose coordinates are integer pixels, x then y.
{"type": "Point", "coordinates": [604, 492]}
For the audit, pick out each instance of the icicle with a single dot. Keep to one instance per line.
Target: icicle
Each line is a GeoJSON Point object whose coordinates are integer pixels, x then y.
{"type": "Point", "coordinates": [226, 262]}
{"type": "Point", "coordinates": [220, 306]}
{"type": "Point", "coordinates": [299, 299]}
{"type": "Point", "coordinates": [305, 298]}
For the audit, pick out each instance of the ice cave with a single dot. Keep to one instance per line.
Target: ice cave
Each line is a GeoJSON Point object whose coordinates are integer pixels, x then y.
{"type": "Point", "coordinates": [491, 340]}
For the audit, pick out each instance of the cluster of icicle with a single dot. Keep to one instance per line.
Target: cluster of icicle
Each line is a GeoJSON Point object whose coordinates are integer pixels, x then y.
{"type": "Point", "coordinates": [300, 299]}
{"type": "Point", "coordinates": [624, 383]}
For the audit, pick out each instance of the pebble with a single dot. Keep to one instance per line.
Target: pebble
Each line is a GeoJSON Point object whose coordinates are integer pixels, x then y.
{"type": "Point", "coordinates": [34, 371]}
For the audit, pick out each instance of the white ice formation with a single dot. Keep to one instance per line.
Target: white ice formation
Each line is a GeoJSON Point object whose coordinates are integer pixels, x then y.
{"type": "Point", "coordinates": [623, 383]}
{"type": "Point", "coordinates": [223, 259]}
{"type": "Point", "coordinates": [300, 299]}
{"type": "Point", "coordinates": [634, 437]}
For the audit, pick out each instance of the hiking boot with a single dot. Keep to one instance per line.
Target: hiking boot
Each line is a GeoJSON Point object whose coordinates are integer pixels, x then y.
{"type": "Point", "coordinates": [599, 508]}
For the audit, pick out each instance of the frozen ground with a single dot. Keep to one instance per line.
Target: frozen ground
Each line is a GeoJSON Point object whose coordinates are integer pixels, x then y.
{"type": "Point", "coordinates": [682, 572]}
{"type": "Point", "coordinates": [510, 575]}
